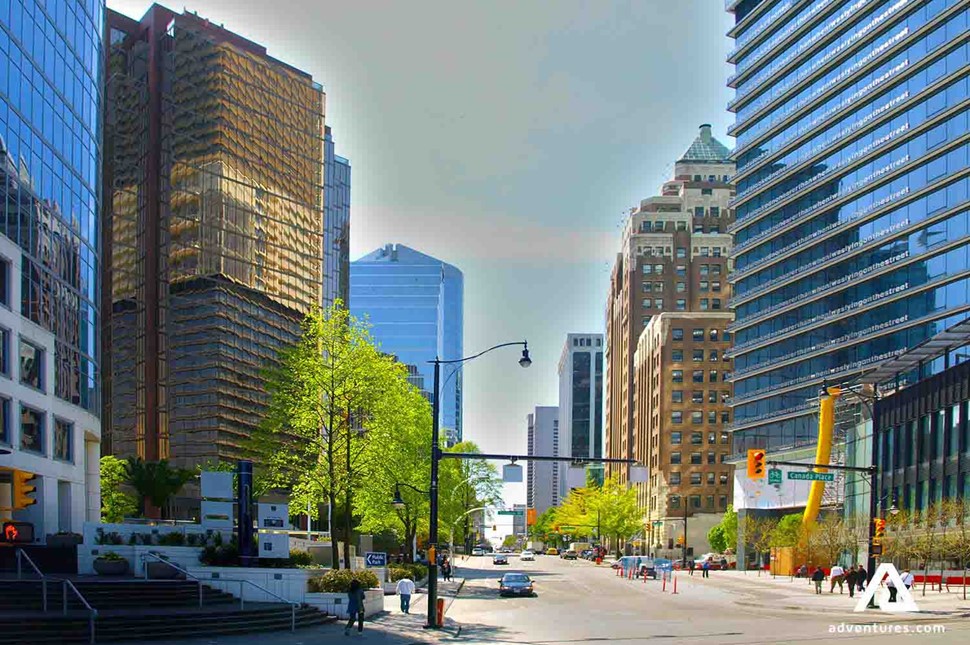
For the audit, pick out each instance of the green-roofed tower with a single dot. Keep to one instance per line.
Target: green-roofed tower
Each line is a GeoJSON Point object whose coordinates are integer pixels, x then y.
{"type": "Point", "coordinates": [706, 149]}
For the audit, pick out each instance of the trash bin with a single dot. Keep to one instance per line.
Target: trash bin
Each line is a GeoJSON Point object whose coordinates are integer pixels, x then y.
{"type": "Point", "coordinates": [441, 612]}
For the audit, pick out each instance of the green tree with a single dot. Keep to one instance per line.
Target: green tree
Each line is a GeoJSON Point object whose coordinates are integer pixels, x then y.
{"type": "Point", "coordinates": [716, 538]}
{"type": "Point", "coordinates": [510, 541]}
{"type": "Point", "coordinates": [542, 530]}
{"type": "Point", "coordinates": [728, 529]}
{"type": "Point", "coordinates": [787, 532]}
{"type": "Point", "coordinates": [612, 508]}
{"type": "Point", "coordinates": [464, 485]}
{"type": "Point", "coordinates": [116, 504]}
{"type": "Point", "coordinates": [155, 482]}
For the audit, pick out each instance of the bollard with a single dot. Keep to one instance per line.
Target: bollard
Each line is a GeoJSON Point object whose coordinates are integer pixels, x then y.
{"type": "Point", "coordinates": [441, 612]}
{"type": "Point", "coordinates": [644, 578]}
{"type": "Point", "coordinates": [618, 571]}
{"type": "Point", "coordinates": [675, 586]}
{"type": "Point", "coordinates": [663, 587]}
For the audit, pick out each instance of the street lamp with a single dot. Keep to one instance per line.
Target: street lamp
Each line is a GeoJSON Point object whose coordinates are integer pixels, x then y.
{"type": "Point", "coordinates": [524, 361]}
{"type": "Point", "coordinates": [397, 502]}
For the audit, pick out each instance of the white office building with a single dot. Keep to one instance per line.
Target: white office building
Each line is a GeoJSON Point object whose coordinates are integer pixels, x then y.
{"type": "Point", "coordinates": [543, 486]}
{"type": "Point", "coordinates": [41, 434]}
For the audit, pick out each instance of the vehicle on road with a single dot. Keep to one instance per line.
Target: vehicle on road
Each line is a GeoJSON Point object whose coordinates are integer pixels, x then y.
{"type": "Point", "coordinates": [552, 551]}
{"type": "Point", "coordinates": [586, 554]}
{"type": "Point", "coordinates": [569, 555]}
{"type": "Point", "coordinates": [648, 568]}
{"type": "Point", "coordinates": [478, 551]}
{"type": "Point", "coordinates": [515, 584]}
{"type": "Point", "coordinates": [500, 558]}
{"type": "Point", "coordinates": [527, 556]}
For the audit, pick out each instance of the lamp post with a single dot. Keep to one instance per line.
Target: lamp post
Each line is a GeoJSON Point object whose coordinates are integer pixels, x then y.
{"type": "Point", "coordinates": [524, 361]}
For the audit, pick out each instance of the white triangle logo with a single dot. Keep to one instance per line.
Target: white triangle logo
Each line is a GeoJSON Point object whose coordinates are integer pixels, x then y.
{"type": "Point", "coordinates": [904, 599]}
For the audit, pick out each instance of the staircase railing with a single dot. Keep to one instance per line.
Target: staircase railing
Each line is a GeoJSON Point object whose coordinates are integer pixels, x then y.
{"type": "Point", "coordinates": [65, 585]}
{"type": "Point", "coordinates": [242, 582]}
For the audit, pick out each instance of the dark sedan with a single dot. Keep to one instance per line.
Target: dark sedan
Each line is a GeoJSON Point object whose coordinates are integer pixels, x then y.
{"type": "Point", "coordinates": [515, 584]}
{"type": "Point", "coordinates": [500, 559]}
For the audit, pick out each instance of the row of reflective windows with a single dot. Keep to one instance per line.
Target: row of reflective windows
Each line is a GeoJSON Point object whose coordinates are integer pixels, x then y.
{"type": "Point", "coordinates": [779, 31]}
{"type": "Point", "coordinates": [696, 478]}
{"type": "Point", "coordinates": [861, 36]}
{"type": "Point", "coordinates": [870, 232]}
{"type": "Point", "coordinates": [907, 120]}
{"type": "Point", "coordinates": [695, 503]}
{"type": "Point", "coordinates": [790, 433]}
{"type": "Point", "coordinates": [944, 433]}
{"type": "Point", "coordinates": [680, 304]}
{"type": "Point", "coordinates": [697, 396]}
{"type": "Point", "coordinates": [911, 149]}
{"type": "Point", "coordinates": [697, 417]}
{"type": "Point", "coordinates": [34, 436]}
{"type": "Point", "coordinates": [855, 270]}
{"type": "Point", "coordinates": [864, 84]}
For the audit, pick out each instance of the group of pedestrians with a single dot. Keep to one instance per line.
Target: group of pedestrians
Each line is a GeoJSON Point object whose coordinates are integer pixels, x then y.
{"type": "Point", "coordinates": [705, 568]}
{"type": "Point", "coordinates": [856, 577]}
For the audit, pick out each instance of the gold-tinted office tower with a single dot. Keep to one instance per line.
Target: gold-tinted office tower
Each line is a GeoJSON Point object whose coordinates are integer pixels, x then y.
{"type": "Point", "coordinates": [214, 223]}
{"type": "Point", "coordinates": [666, 317]}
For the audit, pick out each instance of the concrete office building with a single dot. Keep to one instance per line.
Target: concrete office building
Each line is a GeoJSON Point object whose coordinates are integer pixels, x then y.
{"type": "Point", "coordinates": [414, 304]}
{"type": "Point", "coordinates": [581, 400]}
{"type": "Point", "coordinates": [543, 478]}
{"type": "Point", "coordinates": [214, 224]}
{"type": "Point", "coordinates": [518, 520]}
{"type": "Point", "coordinates": [673, 259]}
{"type": "Point", "coordinates": [851, 231]}
{"type": "Point", "coordinates": [50, 154]}
{"type": "Point", "coordinates": [336, 208]}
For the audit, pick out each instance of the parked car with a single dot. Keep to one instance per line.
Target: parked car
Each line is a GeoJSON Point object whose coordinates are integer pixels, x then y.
{"type": "Point", "coordinates": [569, 555]}
{"type": "Point", "coordinates": [515, 584]}
{"type": "Point", "coordinates": [616, 564]}
{"type": "Point", "coordinates": [500, 558]}
{"type": "Point", "coordinates": [552, 551]}
{"type": "Point", "coordinates": [527, 556]}
{"type": "Point", "coordinates": [478, 551]}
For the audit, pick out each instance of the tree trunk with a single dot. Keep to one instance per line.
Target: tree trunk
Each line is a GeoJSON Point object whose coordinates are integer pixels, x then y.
{"type": "Point", "coordinates": [348, 516]}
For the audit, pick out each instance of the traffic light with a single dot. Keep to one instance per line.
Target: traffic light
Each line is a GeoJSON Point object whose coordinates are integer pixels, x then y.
{"type": "Point", "coordinates": [23, 489]}
{"type": "Point", "coordinates": [880, 530]}
{"type": "Point", "coordinates": [17, 532]}
{"type": "Point", "coordinates": [756, 463]}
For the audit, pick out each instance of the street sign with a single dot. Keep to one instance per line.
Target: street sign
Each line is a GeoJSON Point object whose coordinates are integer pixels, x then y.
{"type": "Point", "coordinates": [516, 513]}
{"type": "Point", "coordinates": [774, 476]}
{"type": "Point", "coordinates": [812, 477]}
{"type": "Point", "coordinates": [375, 559]}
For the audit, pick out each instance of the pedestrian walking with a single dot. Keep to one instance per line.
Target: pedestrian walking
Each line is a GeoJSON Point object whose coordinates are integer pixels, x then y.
{"type": "Point", "coordinates": [706, 567]}
{"type": "Point", "coordinates": [818, 578]}
{"type": "Point", "coordinates": [355, 607]}
{"type": "Point", "coordinates": [908, 579]}
{"type": "Point", "coordinates": [836, 577]}
{"type": "Point", "coordinates": [802, 571]}
{"type": "Point", "coordinates": [405, 587]}
{"type": "Point", "coordinates": [691, 566]}
{"type": "Point", "coordinates": [892, 590]}
{"type": "Point", "coordinates": [862, 578]}
{"type": "Point", "coordinates": [850, 578]}
{"type": "Point", "coordinates": [446, 569]}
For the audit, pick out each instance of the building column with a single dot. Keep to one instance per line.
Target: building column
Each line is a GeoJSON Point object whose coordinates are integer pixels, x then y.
{"type": "Point", "coordinates": [92, 481]}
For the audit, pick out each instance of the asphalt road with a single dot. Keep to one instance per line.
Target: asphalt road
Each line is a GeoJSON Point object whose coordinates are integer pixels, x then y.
{"type": "Point", "coordinates": [578, 602]}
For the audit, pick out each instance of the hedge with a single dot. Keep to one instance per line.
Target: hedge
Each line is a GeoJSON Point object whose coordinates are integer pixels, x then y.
{"type": "Point", "coordinates": [338, 581]}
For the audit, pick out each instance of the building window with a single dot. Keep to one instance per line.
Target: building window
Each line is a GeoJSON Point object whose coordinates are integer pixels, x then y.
{"type": "Point", "coordinates": [681, 305]}
{"type": "Point", "coordinates": [722, 502]}
{"type": "Point", "coordinates": [5, 282]}
{"type": "Point", "coordinates": [713, 335]}
{"type": "Point", "coordinates": [711, 418]}
{"type": "Point", "coordinates": [697, 439]}
{"type": "Point", "coordinates": [31, 430]}
{"type": "Point", "coordinates": [674, 500]}
{"type": "Point", "coordinates": [677, 355]}
{"type": "Point", "coordinates": [698, 211]}
{"type": "Point", "coordinates": [698, 356]}
{"type": "Point", "coordinates": [725, 395]}
{"type": "Point", "coordinates": [716, 287]}
{"type": "Point", "coordinates": [712, 459]}
{"type": "Point", "coordinates": [5, 420]}
{"type": "Point", "coordinates": [658, 269]}
{"type": "Point", "coordinates": [725, 417]}
{"type": "Point", "coordinates": [646, 303]}
{"type": "Point", "coordinates": [63, 440]}
{"type": "Point", "coordinates": [675, 459]}
{"type": "Point", "coordinates": [31, 365]}
{"type": "Point", "coordinates": [675, 437]}
{"type": "Point", "coordinates": [715, 269]}
{"type": "Point", "coordinates": [681, 271]}
{"type": "Point", "coordinates": [658, 287]}
{"type": "Point", "coordinates": [703, 286]}
{"type": "Point", "coordinates": [695, 478]}
{"type": "Point", "coordinates": [645, 287]}
{"type": "Point", "coordinates": [697, 396]}
{"type": "Point", "coordinates": [698, 334]}
{"type": "Point", "coordinates": [724, 438]}
{"type": "Point", "coordinates": [681, 252]}
{"type": "Point", "coordinates": [681, 287]}
{"type": "Point", "coordinates": [695, 458]}
{"type": "Point", "coordinates": [646, 269]}
{"type": "Point", "coordinates": [723, 478]}
{"type": "Point", "coordinates": [715, 211]}
{"type": "Point", "coordinates": [712, 356]}
{"type": "Point", "coordinates": [658, 226]}
{"type": "Point", "coordinates": [695, 501]}
{"type": "Point", "coordinates": [713, 376]}
{"type": "Point", "coordinates": [704, 304]}
{"type": "Point", "coordinates": [675, 479]}
{"type": "Point", "coordinates": [711, 438]}
{"type": "Point", "coordinates": [706, 191]}
{"type": "Point", "coordinates": [698, 376]}
{"type": "Point", "coordinates": [677, 416]}
{"type": "Point", "coordinates": [710, 481]}
{"type": "Point", "coordinates": [704, 269]}
{"type": "Point", "coordinates": [715, 303]}
{"type": "Point", "coordinates": [705, 252]}
{"type": "Point", "coordinates": [677, 334]}
{"type": "Point", "coordinates": [4, 351]}
{"type": "Point", "coordinates": [716, 251]}
{"type": "Point", "coordinates": [712, 396]}
{"type": "Point", "coordinates": [677, 376]}
{"type": "Point", "coordinates": [658, 304]}
{"type": "Point", "coordinates": [698, 228]}
{"type": "Point", "coordinates": [709, 501]}
{"type": "Point", "coordinates": [697, 417]}
{"type": "Point", "coordinates": [677, 396]}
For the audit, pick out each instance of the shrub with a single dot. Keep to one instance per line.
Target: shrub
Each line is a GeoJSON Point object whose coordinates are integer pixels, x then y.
{"type": "Point", "coordinates": [301, 558]}
{"type": "Point", "coordinates": [220, 555]}
{"type": "Point", "coordinates": [171, 539]}
{"type": "Point", "coordinates": [110, 555]}
{"type": "Point", "coordinates": [418, 571]}
{"type": "Point", "coordinates": [399, 572]}
{"type": "Point", "coordinates": [338, 581]}
{"type": "Point", "coordinates": [112, 537]}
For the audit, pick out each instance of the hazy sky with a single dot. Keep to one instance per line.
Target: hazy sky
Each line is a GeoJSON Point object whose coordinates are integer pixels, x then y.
{"type": "Point", "coordinates": [507, 137]}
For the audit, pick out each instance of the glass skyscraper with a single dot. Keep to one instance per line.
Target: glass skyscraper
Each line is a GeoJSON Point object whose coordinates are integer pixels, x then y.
{"type": "Point", "coordinates": [852, 213]}
{"type": "Point", "coordinates": [414, 304]}
{"type": "Point", "coordinates": [50, 157]}
{"type": "Point", "coordinates": [336, 207]}
{"type": "Point", "coordinates": [581, 400]}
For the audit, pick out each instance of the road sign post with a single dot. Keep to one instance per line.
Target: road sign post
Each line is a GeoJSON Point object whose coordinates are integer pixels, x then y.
{"type": "Point", "coordinates": [812, 477]}
{"type": "Point", "coordinates": [375, 559]}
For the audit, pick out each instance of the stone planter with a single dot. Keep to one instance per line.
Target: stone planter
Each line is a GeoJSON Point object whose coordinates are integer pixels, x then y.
{"type": "Point", "coordinates": [335, 604]}
{"type": "Point", "coordinates": [60, 541]}
{"type": "Point", "coordinates": [161, 571]}
{"type": "Point", "coordinates": [110, 567]}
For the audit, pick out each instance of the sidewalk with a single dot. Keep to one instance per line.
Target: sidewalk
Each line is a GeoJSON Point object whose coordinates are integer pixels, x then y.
{"type": "Point", "coordinates": [783, 592]}
{"type": "Point", "coordinates": [411, 625]}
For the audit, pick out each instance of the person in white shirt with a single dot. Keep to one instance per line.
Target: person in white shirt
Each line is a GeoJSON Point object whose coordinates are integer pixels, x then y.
{"type": "Point", "coordinates": [908, 578]}
{"type": "Point", "coordinates": [405, 587]}
{"type": "Point", "coordinates": [837, 576]}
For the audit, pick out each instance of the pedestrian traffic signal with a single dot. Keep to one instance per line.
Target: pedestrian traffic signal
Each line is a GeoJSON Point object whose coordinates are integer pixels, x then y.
{"type": "Point", "coordinates": [880, 530]}
{"type": "Point", "coordinates": [23, 489]}
{"type": "Point", "coordinates": [756, 463]}
{"type": "Point", "coordinates": [17, 532]}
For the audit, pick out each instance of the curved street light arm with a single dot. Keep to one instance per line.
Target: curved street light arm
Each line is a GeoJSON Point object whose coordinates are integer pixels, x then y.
{"type": "Point", "coordinates": [524, 343]}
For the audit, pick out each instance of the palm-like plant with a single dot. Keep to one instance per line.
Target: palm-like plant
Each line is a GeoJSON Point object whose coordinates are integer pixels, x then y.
{"type": "Point", "coordinates": [155, 481]}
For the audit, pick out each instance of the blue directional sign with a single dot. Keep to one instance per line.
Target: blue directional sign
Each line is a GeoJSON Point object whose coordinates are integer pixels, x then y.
{"type": "Point", "coordinates": [375, 559]}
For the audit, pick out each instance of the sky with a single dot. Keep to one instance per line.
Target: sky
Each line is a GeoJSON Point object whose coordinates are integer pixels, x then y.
{"type": "Point", "coordinates": [509, 138]}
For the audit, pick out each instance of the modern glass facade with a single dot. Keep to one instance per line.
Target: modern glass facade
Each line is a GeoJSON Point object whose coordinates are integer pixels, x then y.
{"type": "Point", "coordinates": [852, 212]}
{"type": "Point", "coordinates": [50, 156]}
{"type": "Point", "coordinates": [336, 206]}
{"type": "Point", "coordinates": [414, 304]}
{"type": "Point", "coordinates": [581, 399]}
{"type": "Point", "coordinates": [215, 222]}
